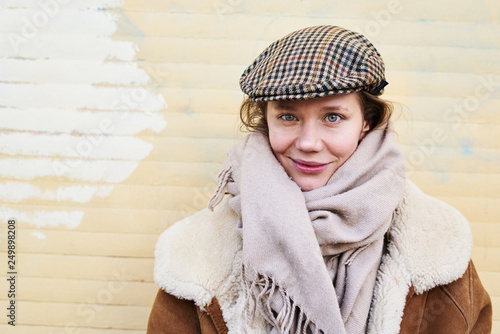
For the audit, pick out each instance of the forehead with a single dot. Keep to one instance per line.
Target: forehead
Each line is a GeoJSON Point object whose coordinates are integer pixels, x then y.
{"type": "Point", "coordinates": [344, 102]}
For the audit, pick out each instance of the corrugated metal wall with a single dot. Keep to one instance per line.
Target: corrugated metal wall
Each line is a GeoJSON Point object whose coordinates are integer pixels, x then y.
{"type": "Point", "coordinates": [115, 117]}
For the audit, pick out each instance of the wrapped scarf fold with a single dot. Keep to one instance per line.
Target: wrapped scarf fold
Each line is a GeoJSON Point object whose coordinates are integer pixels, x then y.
{"type": "Point", "coordinates": [310, 259]}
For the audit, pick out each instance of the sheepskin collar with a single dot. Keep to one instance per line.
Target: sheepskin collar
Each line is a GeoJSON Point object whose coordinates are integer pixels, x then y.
{"type": "Point", "coordinates": [429, 244]}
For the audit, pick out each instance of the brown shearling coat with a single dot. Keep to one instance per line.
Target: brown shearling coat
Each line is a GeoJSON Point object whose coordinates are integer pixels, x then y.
{"type": "Point", "coordinates": [420, 289]}
{"type": "Point", "coordinates": [459, 307]}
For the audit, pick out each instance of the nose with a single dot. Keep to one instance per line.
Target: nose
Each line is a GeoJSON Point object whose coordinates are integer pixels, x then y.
{"type": "Point", "coordinates": [309, 138]}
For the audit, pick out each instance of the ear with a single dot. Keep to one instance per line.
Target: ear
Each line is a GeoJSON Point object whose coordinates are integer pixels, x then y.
{"type": "Point", "coordinates": [364, 130]}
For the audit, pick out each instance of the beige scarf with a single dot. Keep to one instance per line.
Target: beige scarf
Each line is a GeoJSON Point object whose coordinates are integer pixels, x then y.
{"type": "Point", "coordinates": [310, 259]}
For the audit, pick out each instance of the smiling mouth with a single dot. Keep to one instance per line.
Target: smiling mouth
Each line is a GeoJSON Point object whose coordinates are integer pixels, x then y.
{"type": "Point", "coordinates": [309, 167]}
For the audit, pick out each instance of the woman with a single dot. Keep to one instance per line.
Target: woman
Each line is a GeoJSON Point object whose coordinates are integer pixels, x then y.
{"type": "Point", "coordinates": [320, 231]}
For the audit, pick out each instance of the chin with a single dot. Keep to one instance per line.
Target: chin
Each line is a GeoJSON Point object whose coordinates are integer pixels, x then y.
{"type": "Point", "coordinates": [308, 186]}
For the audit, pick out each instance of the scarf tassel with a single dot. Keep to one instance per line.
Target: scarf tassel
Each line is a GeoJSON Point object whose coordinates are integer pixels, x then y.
{"type": "Point", "coordinates": [260, 292]}
{"type": "Point", "coordinates": [223, 179]}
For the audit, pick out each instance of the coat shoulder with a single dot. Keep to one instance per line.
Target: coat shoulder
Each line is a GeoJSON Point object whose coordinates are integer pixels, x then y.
{"type": "Point", "coordinates": [196, 255]}
{"type": "Point", "coordinates": [429, 245]}
{"type": "Point", "coordinates": [462, 306]}
{"type": "Point", "coordinates": [433, 238]}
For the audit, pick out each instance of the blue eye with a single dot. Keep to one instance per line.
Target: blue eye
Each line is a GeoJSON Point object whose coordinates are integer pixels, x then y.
{"type": "Point", "coordinates": [288, 117]}
{"type": "Point", "coordinates": [332, 118]}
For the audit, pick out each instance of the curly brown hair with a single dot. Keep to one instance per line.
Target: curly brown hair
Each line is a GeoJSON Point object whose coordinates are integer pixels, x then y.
{"type": "Point", "coordinates": [376, 112]}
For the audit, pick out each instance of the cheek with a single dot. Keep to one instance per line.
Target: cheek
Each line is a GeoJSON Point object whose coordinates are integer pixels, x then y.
{"type": "Point", "coordinates": [279, 141]}
{"type": "Point", "coordinates": [344, 145]}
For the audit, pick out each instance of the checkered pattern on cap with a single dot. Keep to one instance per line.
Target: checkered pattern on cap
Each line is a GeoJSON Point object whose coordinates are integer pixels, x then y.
{"type": "Point", "coordinates": [315, 62]}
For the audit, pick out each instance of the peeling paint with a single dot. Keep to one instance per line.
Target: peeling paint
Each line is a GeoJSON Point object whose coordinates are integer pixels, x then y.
{"type": "Point", "coordinates": [467, 145]}
{"type": "Point", "coordinates": [466, 150]}
{"type": "Point", "coordinates": [64, 96]}
{"type": "Point", "coordinates": [70, 47]}
{"type": "Point", "coordinates": [20, 191]}
{"type": "Point", "coordinates": [72, 72]}
{"type": "Point", "coordinates": [74, 5]}
{"type": "Point", "coordinates": [107, 171]}
{"type": "Point", "coordinates": [42, 218]}
{"type": "Point", "coordinates": [72, 100]}
{"type": "Point", "coordinates": [91, 146]}
{"type": "Point", "coordinates": [51, 120]}
{"type": "Point", "coordinates": [38, 235]}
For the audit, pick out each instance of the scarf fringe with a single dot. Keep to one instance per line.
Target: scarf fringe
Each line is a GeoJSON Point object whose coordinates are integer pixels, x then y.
{"type": "Point", "coordinates": [223, 178]}
{"type": "Point", "coordinates": [259, 293]}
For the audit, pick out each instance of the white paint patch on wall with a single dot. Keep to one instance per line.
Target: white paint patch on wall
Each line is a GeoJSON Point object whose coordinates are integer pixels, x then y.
{"type": "Point", "coordinates": [79, 5]}
{"type": "Point", "coordinates": [72, 72]}
{"type": "Point", "coordinates": [59, 46]}
{"type": "Point", "coordinates": [71, 101]}
{"type": "Point", "coordinates": [21, 20]}
{"type": "Point", "coordinates": [96, 146]}
{"type": "Point", "coordinates": [38, 235]}
{"type": "Point", "coordinates": [20, 191]}
{"type": "Point", "coordinates": [51, 120]}
{"type": "Point", "coordinates": [107, 171]}
{"type": "Point", "coordinates": [42, 218]}
{"type": "Point", "coordinates": [46, 95]}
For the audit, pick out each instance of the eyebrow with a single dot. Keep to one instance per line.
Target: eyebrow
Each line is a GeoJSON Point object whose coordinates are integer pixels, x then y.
{"type": "Point", "coordinates": [285, 106]}
{"type": "Point", "coordinates": [289, 107]}
{"type": "Point", "coordinates": [334, 108]}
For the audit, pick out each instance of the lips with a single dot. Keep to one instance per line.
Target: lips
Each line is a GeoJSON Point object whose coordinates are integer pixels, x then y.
{"type": "Point", "coordinates": [309, 167]}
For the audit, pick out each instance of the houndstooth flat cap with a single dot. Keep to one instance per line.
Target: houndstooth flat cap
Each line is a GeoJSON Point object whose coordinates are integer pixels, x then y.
{"type": "Point", "coordinates": [315, 62]}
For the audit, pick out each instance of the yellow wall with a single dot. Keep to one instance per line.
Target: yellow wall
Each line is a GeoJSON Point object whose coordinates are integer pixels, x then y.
{"type": "Point", "coordinates": [158, 81]}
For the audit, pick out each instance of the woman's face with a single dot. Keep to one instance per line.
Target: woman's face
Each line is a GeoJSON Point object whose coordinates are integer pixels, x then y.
{"type": "Point", "coordinates": [313, 138]}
